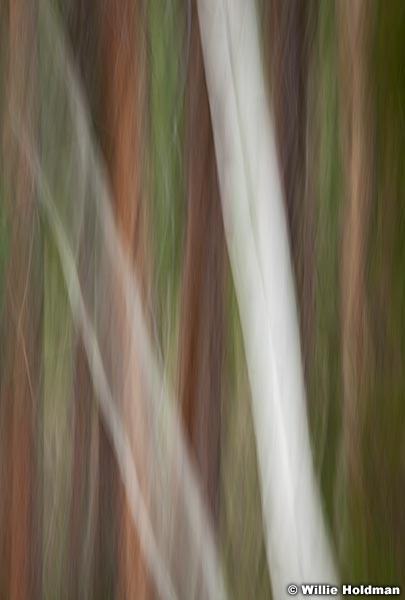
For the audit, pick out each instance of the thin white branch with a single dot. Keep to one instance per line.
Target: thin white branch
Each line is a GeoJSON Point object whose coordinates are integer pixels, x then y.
{"type": "Point", "coordinates": [108, 408]}
{"type": "Point", "coordinates": [175, 491]}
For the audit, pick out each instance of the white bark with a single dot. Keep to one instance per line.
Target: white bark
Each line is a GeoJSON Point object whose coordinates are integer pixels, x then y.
{"type": "Point", "coordinates": [256, 232]}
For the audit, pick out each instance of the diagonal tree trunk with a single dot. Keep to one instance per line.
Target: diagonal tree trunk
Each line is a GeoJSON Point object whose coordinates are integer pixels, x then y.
{"type": "Point", "coordinates": [256, 232]}
{"type": "Point", "coordinates": [93, 466]}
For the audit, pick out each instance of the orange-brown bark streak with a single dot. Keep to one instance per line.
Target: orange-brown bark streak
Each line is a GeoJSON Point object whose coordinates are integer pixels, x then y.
{"type": "Point", "coordinates": [202, 325]}
{"type": "Point", "coordinates": [20, 381]}
{"type": "Point", "coordinates": [123, 50]}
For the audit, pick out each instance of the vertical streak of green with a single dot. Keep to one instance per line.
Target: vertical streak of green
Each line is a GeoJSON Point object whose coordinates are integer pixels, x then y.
{"type": "Point", "coordinates": [58, 340]}
{"type": "Point", "coordinates": [168, 68]}
{"type": "Point", "coordinates": [384, 439]}
{"type": "Point", "coordinates": [325, 385]}
{"type": "Point", "coordinates": [57, 389]}
{"type": "Point", "coordinates": [241, 526]}
{"type": "Point", "coordinates": [367, 525]}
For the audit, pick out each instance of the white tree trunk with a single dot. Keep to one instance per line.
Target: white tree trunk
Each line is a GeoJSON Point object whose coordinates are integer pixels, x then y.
{"type": "Point", "coordinates": [256, 231]}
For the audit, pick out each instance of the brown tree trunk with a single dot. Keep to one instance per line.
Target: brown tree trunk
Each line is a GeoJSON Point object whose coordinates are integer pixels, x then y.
{"type": "Point", "coordinates": [124, 87]}
{"type": "Point", "coordinates": [357, 148]}
{"type": "Point", "coordinates": [203, 303]}
{"type": "Point", "coordinates": [20, 518]}
{"type": "Point", "coordinates": [289, 26]}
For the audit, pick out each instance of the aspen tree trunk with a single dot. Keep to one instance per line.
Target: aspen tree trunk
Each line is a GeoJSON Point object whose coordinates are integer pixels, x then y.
{"type": "Point", "coordinates": [256, 233]}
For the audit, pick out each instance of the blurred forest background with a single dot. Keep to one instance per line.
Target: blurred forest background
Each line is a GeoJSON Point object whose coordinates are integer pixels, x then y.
{"type": "Point", "coordinates": [128, 443]}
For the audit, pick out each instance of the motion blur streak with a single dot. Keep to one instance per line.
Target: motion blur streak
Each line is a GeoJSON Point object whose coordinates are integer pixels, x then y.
{"type": "Point", "coordinates": [256, 232]}
{"type": "Point", "coordinates": [202, 349]}
{"type": "Point", "coordinates": [202, 278]}
{"type": "Point", "coordinates": [20, 384]}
